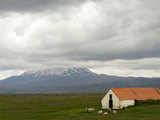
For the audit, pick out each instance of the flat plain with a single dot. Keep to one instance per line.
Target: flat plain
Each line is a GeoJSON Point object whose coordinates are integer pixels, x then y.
{"type": "Point", "coordinates": [68, 107]}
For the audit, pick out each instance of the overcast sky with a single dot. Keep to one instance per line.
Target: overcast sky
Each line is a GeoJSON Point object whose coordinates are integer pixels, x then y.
{"type": "Point", "coordinates": [117, 37]}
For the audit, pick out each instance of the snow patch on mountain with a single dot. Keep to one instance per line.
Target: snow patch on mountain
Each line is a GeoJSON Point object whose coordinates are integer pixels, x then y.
{"type": "Point", "coordinates": [57, 71]}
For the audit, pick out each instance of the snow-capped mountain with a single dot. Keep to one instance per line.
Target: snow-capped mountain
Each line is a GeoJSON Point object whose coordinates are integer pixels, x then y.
{"type": "Point", "coordinates": [69, 80]}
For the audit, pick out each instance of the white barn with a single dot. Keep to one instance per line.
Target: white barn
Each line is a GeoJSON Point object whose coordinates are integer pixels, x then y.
{"type": "Point", "coordinates": [118, 98]}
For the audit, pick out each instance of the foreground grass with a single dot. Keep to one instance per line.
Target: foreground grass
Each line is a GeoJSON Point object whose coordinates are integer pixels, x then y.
{"type": "Point", "coordinates": [67, 107]}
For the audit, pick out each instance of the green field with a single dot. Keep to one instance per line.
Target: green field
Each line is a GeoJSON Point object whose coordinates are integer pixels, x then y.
{"type": "Point", "coordinates": [67, 107]}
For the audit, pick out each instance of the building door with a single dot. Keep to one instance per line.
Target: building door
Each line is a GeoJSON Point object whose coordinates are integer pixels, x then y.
{"type": "Point", "coordinates": [110, 101]}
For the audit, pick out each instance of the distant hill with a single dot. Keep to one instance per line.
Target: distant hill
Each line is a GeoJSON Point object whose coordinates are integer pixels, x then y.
{"type": "Point", "coordinates": [71, 80]}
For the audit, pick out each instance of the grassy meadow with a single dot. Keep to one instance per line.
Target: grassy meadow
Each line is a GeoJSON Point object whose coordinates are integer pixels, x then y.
{"type": "Point", "coordinates": [68, 107]}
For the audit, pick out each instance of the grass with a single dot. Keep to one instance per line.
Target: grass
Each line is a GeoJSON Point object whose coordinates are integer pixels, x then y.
{"type": "Point", "coordinates": [68, 107]}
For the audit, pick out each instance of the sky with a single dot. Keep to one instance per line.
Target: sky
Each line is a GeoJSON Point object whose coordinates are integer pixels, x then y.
{"type": "Point", "coordinates": [115, 37]}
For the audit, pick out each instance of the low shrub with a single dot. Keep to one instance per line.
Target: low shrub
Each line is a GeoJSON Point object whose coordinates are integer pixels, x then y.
{"type": "Point", "coordinates": [147, 102]}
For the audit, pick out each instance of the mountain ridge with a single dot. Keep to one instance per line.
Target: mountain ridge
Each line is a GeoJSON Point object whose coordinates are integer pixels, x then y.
{"type": "Point", "coordinates": [69, 80]}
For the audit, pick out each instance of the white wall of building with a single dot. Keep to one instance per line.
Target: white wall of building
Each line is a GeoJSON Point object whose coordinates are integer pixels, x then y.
{"type": "Point", "coordinates": [126, 103]}
{"type": "Point", "coordinates": [105, 101]}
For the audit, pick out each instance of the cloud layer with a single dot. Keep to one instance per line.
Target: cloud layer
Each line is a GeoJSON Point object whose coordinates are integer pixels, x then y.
{"type": "Point", "coordinates": [41, 34]}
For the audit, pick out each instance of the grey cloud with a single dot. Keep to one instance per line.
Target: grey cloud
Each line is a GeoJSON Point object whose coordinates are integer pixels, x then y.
{"type": "Point", "coordinates": [104, 37]}
{"type": "Point", "coordinates": [30, 6]}
{"type": "Point", "coordinates": [97, 31]}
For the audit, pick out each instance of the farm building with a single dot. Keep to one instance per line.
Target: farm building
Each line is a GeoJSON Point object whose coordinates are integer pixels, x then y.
{"type": "Point", "coordinates": [118, 98]}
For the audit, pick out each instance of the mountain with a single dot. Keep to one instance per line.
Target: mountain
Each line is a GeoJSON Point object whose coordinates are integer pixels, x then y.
{"type": "Point", "coordinates": [70, 80]}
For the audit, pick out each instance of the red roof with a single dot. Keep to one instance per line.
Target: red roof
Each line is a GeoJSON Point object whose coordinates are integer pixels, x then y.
{"type": "Point", "coordinates": [136, 93]}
